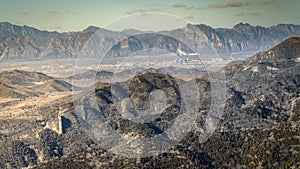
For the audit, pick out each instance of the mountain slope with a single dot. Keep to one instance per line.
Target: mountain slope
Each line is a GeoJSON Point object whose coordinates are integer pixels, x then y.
{"type": "Point", "coordinates": [91, 74]}
{"type": "Point", "coordinates": [23, 78]}
{"type": "Point", "coordinates": [260, 127]}
{"type": "Point", "coordinates": [266, 87]}
{"type": "Point", "coordinates": [7, 91]}
{"type": "Point", "coordinates": [23, 42]}
{"type": "Point", "coordinates": [55, 86]}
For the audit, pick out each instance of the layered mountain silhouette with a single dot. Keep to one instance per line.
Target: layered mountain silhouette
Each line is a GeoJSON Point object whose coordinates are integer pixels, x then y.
{"type": "Point", "coordinates": [259, 129]}
{"type": "Point", "coordinates": [23, 42]}
{"type": "Point", "coordinates": [260, 88]}
{"type": "Point", "coordinates": [260, 126]}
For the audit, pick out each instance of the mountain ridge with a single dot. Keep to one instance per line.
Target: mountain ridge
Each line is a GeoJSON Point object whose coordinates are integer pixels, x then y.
{"type": "Point", "coordinates": [24, 42]}
{"type": "Point", "coordinates": [21, 77]}
{"type": "Point", "coordinates": [259, 129]}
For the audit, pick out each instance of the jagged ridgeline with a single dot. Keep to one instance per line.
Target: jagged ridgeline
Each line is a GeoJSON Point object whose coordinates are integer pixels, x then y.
{"type": "Point", "coordinates": [23, 42]}
{"type": "Point", "coordinates": [259, 128]}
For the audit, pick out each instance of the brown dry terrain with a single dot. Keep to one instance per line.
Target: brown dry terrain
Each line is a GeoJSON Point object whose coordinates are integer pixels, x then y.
{"type": "Point", "coordinates": [28, 108]}
{"type": "Point", "coordinates": [259, 129]}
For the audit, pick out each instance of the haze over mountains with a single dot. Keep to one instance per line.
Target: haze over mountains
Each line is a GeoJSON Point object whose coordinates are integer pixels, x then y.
{"type": "Point", "coordinates": [42, 117]}
{"type": "Point", "coordinates": [23, 42]}
{"type": "Point", "coordinates": [260, 127]}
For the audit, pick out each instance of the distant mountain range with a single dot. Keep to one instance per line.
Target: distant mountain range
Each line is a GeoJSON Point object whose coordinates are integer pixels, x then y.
{"type": "Point", "coordinates": [23, 42]}
{"type": "Point", "coordinates": [261, 115]}
{"type": "Point", "coordinates": [259, 129]}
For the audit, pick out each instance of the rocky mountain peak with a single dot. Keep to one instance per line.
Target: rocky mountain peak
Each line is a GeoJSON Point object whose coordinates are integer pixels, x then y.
{"type": "Point", "coordinates": [29, 43]}
{"type": "Point", "coordinates": [91, 29]}
{"type": "Point", "coordinates": [243, 26]}
{"type": "Point", "coordinates": [205, 28]}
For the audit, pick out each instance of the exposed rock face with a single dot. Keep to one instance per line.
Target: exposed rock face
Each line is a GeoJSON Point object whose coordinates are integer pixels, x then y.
{"type": "Point", "coordinates": [261, 122]}
{"type": "Point", "coordinates": [23, 42]}
{"type": "Point", "coordinates": [241, 38]}
{"type": "Point", "coordinates": [262, 87]}
{"type": "Point", "coordinates": [261, 116]}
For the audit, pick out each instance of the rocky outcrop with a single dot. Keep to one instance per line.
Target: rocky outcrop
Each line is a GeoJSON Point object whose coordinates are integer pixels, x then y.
{"type": "Point", "coordinates": [260, 127]}
{"type": "Point", "coordinates": [263, 87]}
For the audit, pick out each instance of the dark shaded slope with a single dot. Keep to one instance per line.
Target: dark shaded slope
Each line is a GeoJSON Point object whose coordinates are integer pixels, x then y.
{"type": "Point", "coordinates": [263, 87]}
{"type": "Point", "coordinates": [91, 74]}
{"type": "Point", "coordinates": [260, 127]}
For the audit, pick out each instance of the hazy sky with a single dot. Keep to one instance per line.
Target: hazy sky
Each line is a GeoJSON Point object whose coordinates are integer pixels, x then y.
{"type": "Point", "coordinates": [72, 15]}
